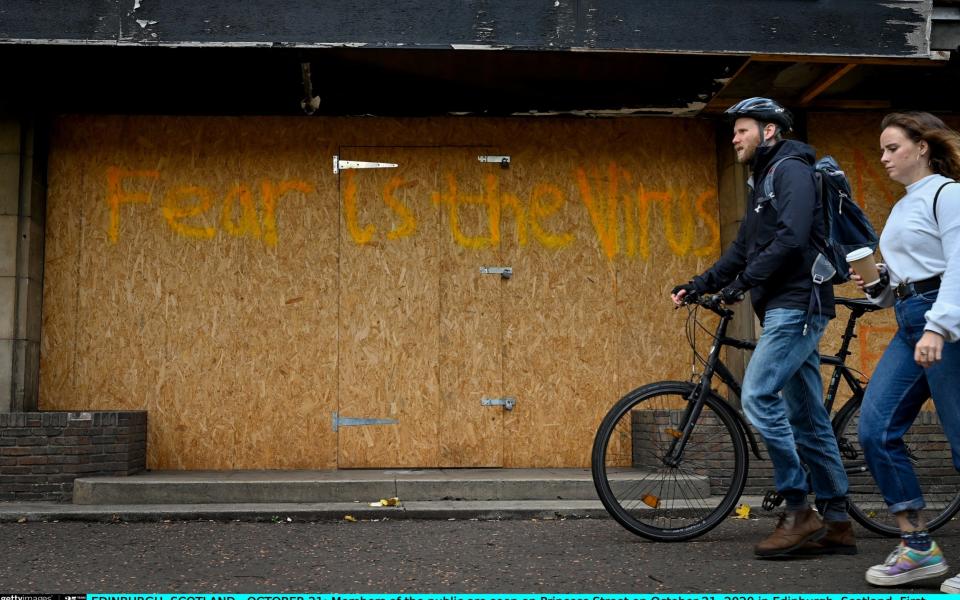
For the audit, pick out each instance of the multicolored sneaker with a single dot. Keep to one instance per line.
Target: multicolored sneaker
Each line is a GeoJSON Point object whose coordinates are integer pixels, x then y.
{"type": "Point", "coordinates": [951, 586]}
{"type": "Point", "coordinates": [906, 564]}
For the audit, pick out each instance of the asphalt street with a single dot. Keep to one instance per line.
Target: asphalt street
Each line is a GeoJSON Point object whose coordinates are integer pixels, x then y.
{"type": "Point", "coordinates": [424, 556]}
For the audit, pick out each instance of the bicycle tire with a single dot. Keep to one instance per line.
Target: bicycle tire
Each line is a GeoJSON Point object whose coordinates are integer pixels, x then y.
{"type": "Point", "coordinates": [933, 463]}
{"type": "Point", "coordinates": [657, 501]}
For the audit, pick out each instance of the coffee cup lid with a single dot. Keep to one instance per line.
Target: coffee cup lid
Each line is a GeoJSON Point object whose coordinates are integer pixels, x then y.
{"type": "Point", "coordinates": [858, 254]}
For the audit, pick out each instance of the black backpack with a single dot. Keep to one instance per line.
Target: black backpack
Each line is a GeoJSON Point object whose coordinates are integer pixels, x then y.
{"type": "Point", "coordinates": [846, 226]}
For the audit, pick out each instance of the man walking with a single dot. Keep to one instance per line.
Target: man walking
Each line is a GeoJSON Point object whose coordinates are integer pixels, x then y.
{"type": "Point", "coordinates": [772, 258]}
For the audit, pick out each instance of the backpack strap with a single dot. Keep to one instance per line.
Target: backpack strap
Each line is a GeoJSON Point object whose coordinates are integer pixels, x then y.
{"type": "Point", "coordinates": [820, 245]}
{"type": "Point", "coordinates": [818, 182]}
{"type": "Point", "coordinates": [937, 197]}
{"type": "Point", "coordinates": [768, 178]}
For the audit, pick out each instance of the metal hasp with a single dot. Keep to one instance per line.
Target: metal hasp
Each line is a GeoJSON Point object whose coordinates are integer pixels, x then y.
{"type": "Point", "coordinates": [343, 165]}
{"type": "Point", "coordinates": [507, 402]}
{"type": "Point", "coordinates": [504, 161]}
{"type": "Point", "coordinates": [505, 272]}
{"type": "Point", "coordinates": [339, 421]}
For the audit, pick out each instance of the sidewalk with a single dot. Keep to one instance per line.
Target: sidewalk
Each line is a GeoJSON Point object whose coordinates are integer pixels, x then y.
{"type": "Point", "coordinates": [326, 495]}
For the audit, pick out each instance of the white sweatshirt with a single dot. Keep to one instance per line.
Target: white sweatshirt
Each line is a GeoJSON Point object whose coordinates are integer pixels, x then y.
{"type": "Point", "coordinates": [916, 247]}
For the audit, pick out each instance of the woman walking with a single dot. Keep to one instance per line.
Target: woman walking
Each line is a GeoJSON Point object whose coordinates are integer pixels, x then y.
{"type": "Point", "coordinates": [920, 245]}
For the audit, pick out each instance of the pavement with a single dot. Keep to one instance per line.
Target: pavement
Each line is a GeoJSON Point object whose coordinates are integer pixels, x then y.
{"type": "Point", "coordinates": [388, 557]}
{"type": "Point", "coordinates": [486, 494]}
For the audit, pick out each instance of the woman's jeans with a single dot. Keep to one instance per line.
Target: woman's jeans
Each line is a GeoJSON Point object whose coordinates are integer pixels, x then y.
{"type": "Point", "coordinates": [783, 398]}
{"type": "Point", "coordinates": [896, 392]}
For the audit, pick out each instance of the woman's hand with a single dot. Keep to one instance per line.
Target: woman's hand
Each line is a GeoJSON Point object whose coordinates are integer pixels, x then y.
{"type": "Point", "coordinates": [877, 288]}
{"type": "Point", "coordinates": [929, 350]}
{"type": "Point", "coordinates": [857, 280]}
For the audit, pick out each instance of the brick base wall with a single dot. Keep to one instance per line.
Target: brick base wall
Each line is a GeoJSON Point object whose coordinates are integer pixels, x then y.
{"type": "Point", "coordinates": [41, 453]}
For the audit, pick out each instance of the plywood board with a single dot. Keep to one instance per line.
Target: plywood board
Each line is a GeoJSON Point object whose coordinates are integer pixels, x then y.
{"type": "Point", "coordinates": [585, 319]}
{"type": "Point", "coordinates": [389, 308]}
{"type": "Point", "coordinates": [470, 434]}
{"type": "Point", "coordinates": [215, 272]}
{"type": "Point", "coordinates": [223, 334]}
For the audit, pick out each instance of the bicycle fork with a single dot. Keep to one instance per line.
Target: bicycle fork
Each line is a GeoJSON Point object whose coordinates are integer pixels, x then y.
{"type": "Point", "coordinates": [691, 414]}
{"type": "Point", "coordinates": [674, 455]}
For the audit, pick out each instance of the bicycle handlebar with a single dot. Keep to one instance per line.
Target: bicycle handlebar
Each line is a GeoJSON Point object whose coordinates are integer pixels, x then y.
{"type": "Point", "coordinates": [712, 302]}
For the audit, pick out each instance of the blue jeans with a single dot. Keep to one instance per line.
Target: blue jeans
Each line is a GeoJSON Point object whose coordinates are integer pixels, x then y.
{"type": "Point", "coordinates": [897, 391]}
{"type": "Point", "coordinates": [783, 398]}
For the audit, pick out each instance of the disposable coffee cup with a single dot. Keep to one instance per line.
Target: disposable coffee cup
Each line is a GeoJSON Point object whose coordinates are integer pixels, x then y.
{"type": "Point", "coordinates": [861, 260]}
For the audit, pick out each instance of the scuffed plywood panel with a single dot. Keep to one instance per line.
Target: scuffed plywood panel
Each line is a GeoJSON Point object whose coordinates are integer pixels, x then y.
{"type": "Point", "coordinates": [587, 318]}
{"type": "Point", "coordinates": [289, 281]}
{"type": "Point", "coordinates": [389, 308]}
{"type": "Point", "coordinates": [192, 316]}
{"type": "Point", "coordinates": [240, 292]}
{"type": "Point", "coordinates": [471, 307]}
{"type": "Point", "coordinates": [62, 241]}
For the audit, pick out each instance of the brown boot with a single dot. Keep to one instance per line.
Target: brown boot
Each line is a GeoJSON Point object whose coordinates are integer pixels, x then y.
{"type": "Point", "coordinates": [839, 540]}
{"type": "Point", "coordinates": [794, 529]}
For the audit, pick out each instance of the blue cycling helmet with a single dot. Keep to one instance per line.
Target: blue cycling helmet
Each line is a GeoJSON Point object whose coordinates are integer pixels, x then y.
{"type": "Point", "coordinates": [764, 110]}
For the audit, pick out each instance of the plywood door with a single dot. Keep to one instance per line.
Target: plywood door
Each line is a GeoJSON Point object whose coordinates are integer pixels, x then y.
{"type": "Point", "coordinates": [559, 359]}
{"type": "Point", "coordinates": [420, 328]}
{"type": "Point", "coordinates": [471, 324]}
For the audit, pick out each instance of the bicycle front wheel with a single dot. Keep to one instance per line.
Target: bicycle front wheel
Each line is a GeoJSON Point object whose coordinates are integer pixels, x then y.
{"type": "Point", "coordinates": [929, 451]}
{"type": "Point", "coordinates": [646, 487]}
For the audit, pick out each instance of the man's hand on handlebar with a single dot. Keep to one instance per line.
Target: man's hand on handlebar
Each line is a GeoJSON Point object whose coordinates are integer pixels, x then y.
{"type": "Point", "coordinates": [731, 294]}
{"type": "Point", "coordinates": [684, 293]}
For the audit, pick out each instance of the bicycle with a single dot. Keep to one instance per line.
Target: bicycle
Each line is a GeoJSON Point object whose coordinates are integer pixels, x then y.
{"type": "Point", "coordinates": [670, 459]}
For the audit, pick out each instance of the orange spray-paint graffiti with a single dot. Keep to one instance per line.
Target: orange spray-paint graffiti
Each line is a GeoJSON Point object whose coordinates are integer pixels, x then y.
{"type": "Point", "coordinates": [184, 208]}
{"type": "Point", "coordinates": [619, 211]}
{"type": "Point", "coordinates": [868, 339]}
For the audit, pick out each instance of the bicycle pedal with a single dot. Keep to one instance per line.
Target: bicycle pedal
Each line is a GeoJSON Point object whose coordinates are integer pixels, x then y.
{"type": "Point", "coordinates": [847, 450]}
{"type": "Point", "coordinates": [771, 500]}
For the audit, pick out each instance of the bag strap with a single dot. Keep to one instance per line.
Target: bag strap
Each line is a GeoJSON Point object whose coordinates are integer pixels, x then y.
{"type": "Point", "coordinates": [937, 197]}
{"type": "Point", "coordinates": [768, 178]}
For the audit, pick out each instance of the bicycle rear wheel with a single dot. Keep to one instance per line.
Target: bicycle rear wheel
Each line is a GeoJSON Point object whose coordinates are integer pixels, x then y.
{"type": "Point", "coordinates": [932, 461]}
{"type": "Point", "coordinates": [661, 502]}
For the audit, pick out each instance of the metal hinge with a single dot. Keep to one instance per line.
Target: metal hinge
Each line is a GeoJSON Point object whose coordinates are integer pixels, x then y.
{"type": "Point", "coordinates": [507, 402]}
{"type": "Point", "coordinates": [339, 421]}
{"type": "Point", "coordinates": [503, 161]}
{"type": "Point", "coordinates": [343, 165]}
{"type": "Point", "coordinates": [505, 272]}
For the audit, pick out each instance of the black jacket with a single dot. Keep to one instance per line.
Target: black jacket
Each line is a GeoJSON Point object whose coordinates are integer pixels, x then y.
{"type": "Point", "coordinates": [773, 252]}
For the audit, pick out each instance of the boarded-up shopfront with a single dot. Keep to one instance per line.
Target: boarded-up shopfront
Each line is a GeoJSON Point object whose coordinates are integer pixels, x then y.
{"type": "Point", "coordinates": [269, 313]}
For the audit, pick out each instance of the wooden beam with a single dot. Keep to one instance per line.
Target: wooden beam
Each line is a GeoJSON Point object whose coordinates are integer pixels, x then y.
{"type": "Point", "coordinates": [851, 104]}
{"type": "Point", "coordinates": [937, 59]}
{"type": "Point", "coordinates": [717, 103]}
{"type": "Point", "coordinates": [822, 84]}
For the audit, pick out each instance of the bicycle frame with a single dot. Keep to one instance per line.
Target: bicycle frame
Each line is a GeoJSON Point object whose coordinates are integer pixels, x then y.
{"type": "Point", "coordinates": [714, 366]}
{"type": "Point", "coordinates": [673, 453]}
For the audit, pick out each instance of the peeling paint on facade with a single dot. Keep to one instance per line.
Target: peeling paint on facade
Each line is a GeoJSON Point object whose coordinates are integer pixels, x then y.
{"type": "Point", "coordinates": [882, 28]}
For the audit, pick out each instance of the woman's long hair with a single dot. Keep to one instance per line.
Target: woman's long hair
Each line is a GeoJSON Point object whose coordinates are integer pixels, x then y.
{"type": "Point", "coordinates": [944, 142]}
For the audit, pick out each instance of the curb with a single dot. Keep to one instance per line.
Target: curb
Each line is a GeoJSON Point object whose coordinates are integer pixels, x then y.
{"type": "Point", "coordinates": [335, 511]}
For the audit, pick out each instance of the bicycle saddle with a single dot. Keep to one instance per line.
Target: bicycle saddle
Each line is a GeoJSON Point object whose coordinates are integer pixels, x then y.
{"type": "Point", "coordinates": [861, 304]}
